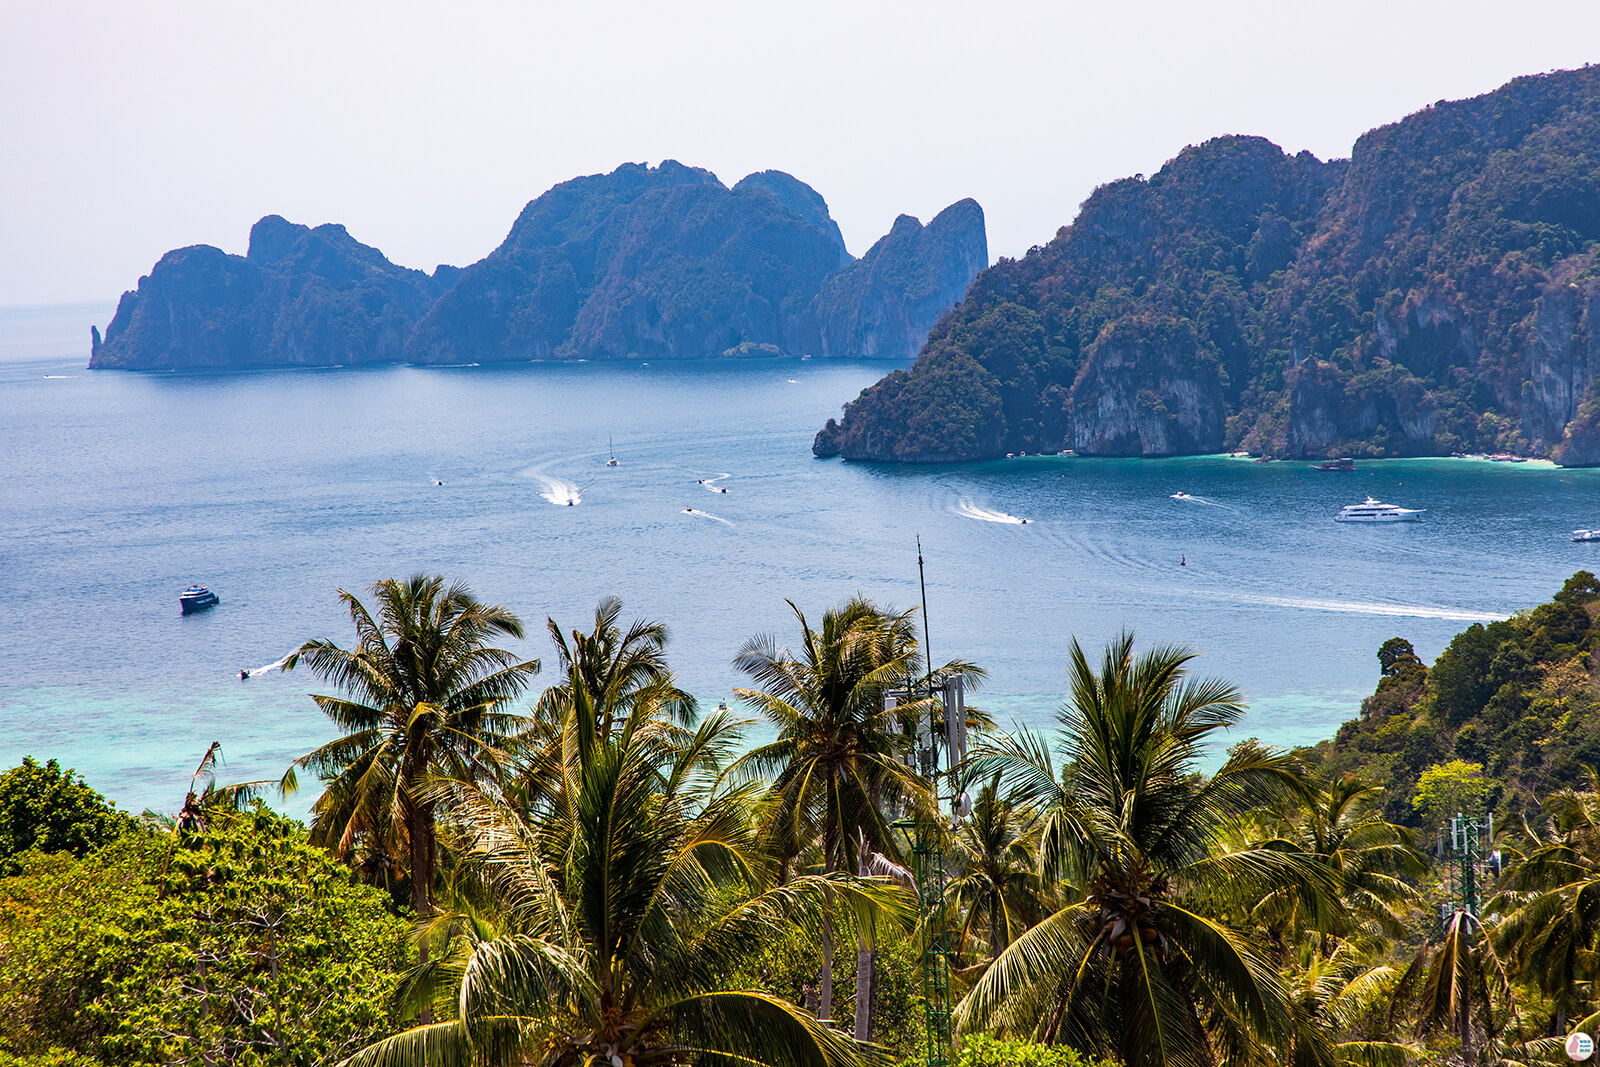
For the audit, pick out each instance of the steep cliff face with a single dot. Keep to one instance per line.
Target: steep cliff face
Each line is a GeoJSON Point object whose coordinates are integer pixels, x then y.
{"type": "Point", "coordinates": [804, 201]}
{"type": "Point", "coordinates": [301, 296]}
{"type": "Point", "coordinates": [1146, 390]}
{"type": "Point", "coordinates": [1435, 293]}
{"type": "Point", "coordinates": [698, 271]}
{"type": "Point", "coordinates": [883, 305]}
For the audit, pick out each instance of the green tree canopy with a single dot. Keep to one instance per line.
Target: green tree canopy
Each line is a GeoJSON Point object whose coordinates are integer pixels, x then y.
{"type": "Point", "coordinates": [1448, 789]}
{"type": "Point", "coordinates": [240, 943]}
{"type": "Point", "coordinates": [52, 810]}
{"type": "Point", "coordinates": [1393, 653]}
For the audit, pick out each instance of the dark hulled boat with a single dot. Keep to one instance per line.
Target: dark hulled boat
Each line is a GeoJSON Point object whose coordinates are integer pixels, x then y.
{"type": "Point", "coordinates": [197, 598]}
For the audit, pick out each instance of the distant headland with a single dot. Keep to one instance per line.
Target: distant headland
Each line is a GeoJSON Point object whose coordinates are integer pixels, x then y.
{"type": "Point", "coordinates": [642, 263]}
{"type": "Point", "coordinates": [1437, 292]}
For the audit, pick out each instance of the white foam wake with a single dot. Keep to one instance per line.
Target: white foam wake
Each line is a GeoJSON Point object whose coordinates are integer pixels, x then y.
{"type": "Point", "coordinates": [275, 665]}
{"type": "Point", "coordinates": [558, 491]}
{"type": "Point", "coordinates": [706, 515]}
{"type": "Point", "coordinates": [968, 510]}
{"type": "Point", "coordinates": [1191, 499]}
{"type": "Point", "coordinates": [711, 486]}
{"type": "Point", "coordinates": [1356, 607]}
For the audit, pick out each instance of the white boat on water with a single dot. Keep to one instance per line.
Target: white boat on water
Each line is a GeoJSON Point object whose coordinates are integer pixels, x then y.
{"type": "Point", "coordinates": [1586, 535]}
{"type": "Point", "coordinates": [1373, 511]}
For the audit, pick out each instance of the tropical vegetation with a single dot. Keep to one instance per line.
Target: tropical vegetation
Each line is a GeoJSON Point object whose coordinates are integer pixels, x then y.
{"type": "Point", "coordinates": [600, 875]}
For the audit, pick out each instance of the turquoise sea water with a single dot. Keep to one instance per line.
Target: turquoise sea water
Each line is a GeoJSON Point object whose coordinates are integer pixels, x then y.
{"type": "Point", "coordinates": [278, 488]}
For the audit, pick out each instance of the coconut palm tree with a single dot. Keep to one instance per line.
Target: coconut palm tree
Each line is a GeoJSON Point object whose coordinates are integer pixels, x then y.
{"type": "Point", "coordinates": [1335, 822]}
{"type": "Point", "coordinates": [1141, 966]}
{"type": "Point", "coordinates": [996, 885]}
{"type": "Point", "coordinates": [1550, 900]}
{"type": "Point", "coordinates": [423, 694]}
{"type": "Point", "coordinates": [622, 679]}
{"type": "Point", "coordinates": [614, 912]}
{"type": "Point", "coordinates": [836, 765]}
{"type": "Point", "coordinates": [1344, 1012]}
{"type": "Point", "coordinates": [618, 668]}
{"type": "Point", "coordinates": [1461, 986]}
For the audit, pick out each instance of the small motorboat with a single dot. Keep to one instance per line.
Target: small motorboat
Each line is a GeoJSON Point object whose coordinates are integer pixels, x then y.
{"type": "Point", "coordinates": [1586, 535]}
{"type": "Point", "coordinates": [1180, 495]}
{"type": "Point", "coordinates": [1344, 463]}
{"type": "Point", "coordinates": [197, 598]}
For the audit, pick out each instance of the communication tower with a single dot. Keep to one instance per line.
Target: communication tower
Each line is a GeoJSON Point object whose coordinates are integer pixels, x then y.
{"type": "Point", "coordinates": [1462, 842]}
{"type": "Point", "coordinates": [939, 748]}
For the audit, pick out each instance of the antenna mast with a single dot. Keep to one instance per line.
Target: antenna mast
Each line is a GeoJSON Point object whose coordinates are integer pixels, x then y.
{"type": "Point", "coordinates": [929, 857]}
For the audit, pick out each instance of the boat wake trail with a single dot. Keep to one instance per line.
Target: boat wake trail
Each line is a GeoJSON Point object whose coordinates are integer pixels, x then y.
{"type": "Point", "coordinates": [558, 491]}
{"type": "Point", "coordinates": [710, 484]}
{"type": "Point", "coordinates": [706, 515]}
{"type": "Point", "coordinates": [275, 665]}
{"type": "Point", "coordinates": [1355, 607]}
{"type": "Point", "coordinates": [1190, 499]}
{"type": "Point", "coordinates": [968, 510]}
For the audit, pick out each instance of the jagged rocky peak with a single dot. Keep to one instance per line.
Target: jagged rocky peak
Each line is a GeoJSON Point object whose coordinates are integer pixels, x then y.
{"type": "Point", "coordinates": [274, 238]}
{"type": "Point", "coordinates": [883, 305]}
{"type": "Point", "coordinates": [645, 262]}
{"type": "Point", "coordinates": [799, 198]}
{"type": "Point", "coordinates": [667, 262]}
{"type": "Point", "coordinates": [299, 296]}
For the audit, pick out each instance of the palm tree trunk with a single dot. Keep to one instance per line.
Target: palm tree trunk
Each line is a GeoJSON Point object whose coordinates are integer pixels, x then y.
{"type": "Point", "coordinates": [866, 958]}
{"type": "Point", "coordinates": [825, 980]}
{"type": "Point", "coordinates": [421, 834]}
{"type": "Point", "coordinates": [830, 845]}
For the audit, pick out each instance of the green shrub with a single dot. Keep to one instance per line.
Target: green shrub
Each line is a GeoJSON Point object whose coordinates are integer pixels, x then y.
{"type": "Point", "coordinates": [981, 1050]}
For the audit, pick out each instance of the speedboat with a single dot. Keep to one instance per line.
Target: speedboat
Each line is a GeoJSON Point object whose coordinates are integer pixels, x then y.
{"type": "Point", "coordinates": [197, 598]}
{"type": "Point", "coordinates": [1373, 511]}
{"type": "Point", "coordinates": [1181, 495]}
{"type": "Point", "coordinates": [1344, 463]}
{"type": "Point", "coordinates": [1586, 535]}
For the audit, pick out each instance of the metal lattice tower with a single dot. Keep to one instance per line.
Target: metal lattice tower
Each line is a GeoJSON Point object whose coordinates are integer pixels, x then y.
{"type": "Point", "coordinates": [928, 865]}
{"type": "Point", "coordinates": [1462, 841]}
{"type": "Point", "coordinates": [946, 715]}
{"type": "Point", "coordinates": [935, 949]}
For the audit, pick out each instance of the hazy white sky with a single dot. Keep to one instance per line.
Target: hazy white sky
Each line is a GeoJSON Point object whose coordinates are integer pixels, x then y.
{"type": "Point", "coordinates": [127, 129]}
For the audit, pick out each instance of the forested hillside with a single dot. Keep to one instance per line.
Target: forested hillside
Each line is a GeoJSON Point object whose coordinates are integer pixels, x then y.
{"type": "Point", "coordinates": [1435, 293]}
{"type": "Point", "coordinates": [1507, 715]}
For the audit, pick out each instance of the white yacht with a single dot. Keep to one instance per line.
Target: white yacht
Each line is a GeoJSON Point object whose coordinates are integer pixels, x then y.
{"type": "Point", "coordinates": [1372, 511]}
{"type": "Point", "coordinates": [1586, 535]}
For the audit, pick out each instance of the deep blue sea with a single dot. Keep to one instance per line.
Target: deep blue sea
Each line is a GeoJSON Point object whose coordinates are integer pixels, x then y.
{"type": "Point", "coordinates": [276, 489]}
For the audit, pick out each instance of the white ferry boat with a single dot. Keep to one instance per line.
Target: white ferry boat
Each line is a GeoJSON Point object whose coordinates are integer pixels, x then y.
{"type": "Point", "coordinates": [1373, 511]}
